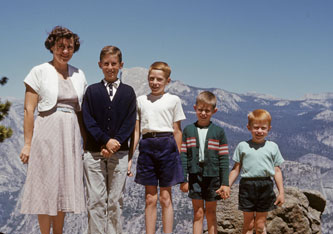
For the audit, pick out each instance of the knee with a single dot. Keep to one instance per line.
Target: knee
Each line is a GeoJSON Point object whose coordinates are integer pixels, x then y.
{"type": "Point", "coordinates": [165, 201]}
{"type": "Point", "coordinates": [151, 200]}
{"type": "Point", "coordinates": [96, 204]}
{"type": "Point", "coordinates": [260, 227]}
{"type": "Point", "coordinates": [199, 214]}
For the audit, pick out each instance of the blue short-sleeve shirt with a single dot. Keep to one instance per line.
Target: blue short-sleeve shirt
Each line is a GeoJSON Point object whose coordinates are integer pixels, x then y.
{"type": "Point", "coordinates": [257, 160]}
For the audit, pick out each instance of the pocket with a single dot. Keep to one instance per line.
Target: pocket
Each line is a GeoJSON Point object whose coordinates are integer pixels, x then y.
{"type": "Point", "coordinates": [173, 144]}
{"type": "Point", "coordinates": [141, 143]}
{"type": "Point", "coordinates": [244, 189]}
{"type": "Point", "coordinates": [215, 183]}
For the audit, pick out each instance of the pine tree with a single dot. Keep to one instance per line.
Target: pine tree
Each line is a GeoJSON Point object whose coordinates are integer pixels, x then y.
{"type": "Point", "coordinates": [4, 109]}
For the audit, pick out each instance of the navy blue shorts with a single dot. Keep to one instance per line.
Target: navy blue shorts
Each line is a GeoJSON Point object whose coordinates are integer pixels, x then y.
{"type": "Point", "coordinates": [256, 195]}
{"type": "Point", "coordinates": [159, 162]}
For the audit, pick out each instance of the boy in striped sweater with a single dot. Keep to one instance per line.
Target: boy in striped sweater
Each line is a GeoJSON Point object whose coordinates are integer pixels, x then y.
{"type": "Point", "coordinates": [205, 160]}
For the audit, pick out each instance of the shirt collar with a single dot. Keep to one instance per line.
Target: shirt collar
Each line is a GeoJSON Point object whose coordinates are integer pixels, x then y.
{"type": "Point", "coordinates": [196, 124]}
{"type": "Point", "coordinates": [115, 83]}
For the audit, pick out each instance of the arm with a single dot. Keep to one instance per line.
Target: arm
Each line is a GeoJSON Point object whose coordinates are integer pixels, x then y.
{"type": "Point", "coordinates": [177, 133]}
{"type": "Point", "coordinates": [224, 191]}
{"type": "Point", "coordinates": [223, 156]}
{"type": "Point", "coordinates": [134, 142]}
{"type": "Point", "coordinates": [82, 130]}
{"type": "Point", "coordinates": [88, 109]}
{"type": "Point", "coordinates": [183, 156]}
{"type": "Point", "coordinates": [127, 127]}
{"type": "Point", "coordinates": [234, 173]}
{"type": "Point", "coordinates": [279, 184]}
{"type": "Point", "coordinates": [30, 103]}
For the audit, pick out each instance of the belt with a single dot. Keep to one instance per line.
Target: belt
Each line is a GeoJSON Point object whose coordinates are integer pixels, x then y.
{"type": "Point", "coordinates": [156, 134]}
{"type": "Point", "coordinates": [255, 178]}
{"type": "Point", "coordinates": [65, 109]}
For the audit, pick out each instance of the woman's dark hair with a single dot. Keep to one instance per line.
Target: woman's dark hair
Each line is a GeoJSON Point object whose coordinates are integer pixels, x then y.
{"type": "Point", "coordinates": [61, 32]}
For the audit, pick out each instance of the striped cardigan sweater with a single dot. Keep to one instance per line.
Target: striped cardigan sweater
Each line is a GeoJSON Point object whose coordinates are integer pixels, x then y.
{"type": "Point", "coordinates": [216, 162]}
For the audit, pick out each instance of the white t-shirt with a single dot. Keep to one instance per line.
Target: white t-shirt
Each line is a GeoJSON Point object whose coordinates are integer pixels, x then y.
{"type": "Point", "coordinates": [202, 133]}
{"type": "Point", "coordinates": [158, 113]}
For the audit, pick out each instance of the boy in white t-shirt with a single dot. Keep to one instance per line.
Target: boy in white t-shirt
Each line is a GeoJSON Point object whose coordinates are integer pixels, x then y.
{"type": "Point", "coordinates": [158, 119]}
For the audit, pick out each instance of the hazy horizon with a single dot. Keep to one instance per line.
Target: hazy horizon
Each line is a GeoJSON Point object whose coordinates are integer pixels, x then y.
{"type": "Point", "coordinates": [280, 48]}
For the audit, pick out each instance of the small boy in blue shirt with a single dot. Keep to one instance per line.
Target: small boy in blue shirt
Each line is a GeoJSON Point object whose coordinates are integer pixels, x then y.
{"type": "Point", "coordinates": [158, 119]}
{"type": "Point", "coordinates": [258, 160]}
{"type": "Point", "coordinates": [205, 159]}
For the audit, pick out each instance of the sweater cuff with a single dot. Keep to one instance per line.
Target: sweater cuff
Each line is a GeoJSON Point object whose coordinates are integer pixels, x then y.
{"type": "Point", "coordinates": [105, 139]}
{"type": "Point", "coordinates": [224, 180]}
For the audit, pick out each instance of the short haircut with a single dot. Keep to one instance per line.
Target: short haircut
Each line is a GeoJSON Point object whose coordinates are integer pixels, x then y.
{"type": "Point", "coordinates": [207, 98]}
{"type": "Point", "coordinates": [163, 66]}
{"type": "Point", "coordinates": [59, 32]}
{"type": "Point", "coordinates": [112, 50]}
{"type": "Point", "coordinates": [260, 115]}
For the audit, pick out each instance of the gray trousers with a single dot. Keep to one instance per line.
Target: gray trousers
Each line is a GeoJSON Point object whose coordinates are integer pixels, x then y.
{"type": "Point", "coordinates": [105, 182]}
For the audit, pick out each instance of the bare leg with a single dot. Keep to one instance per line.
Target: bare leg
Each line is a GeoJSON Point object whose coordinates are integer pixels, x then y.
{"type": "Point", "coordinates": [44, 223]}
{"type": "Point", "coordinates": [198, 215]}
{"type": "Point", "coordinates": [150, 210]}
{"type": "Point", "coordinates": [58, 222]}
{"type": "Point", "coordinates": [167, 209]}
{"type": "Point", "coordinates": [260, 222]}
{"type": "Point", "coordinates": [211, 217]}
{"type": "Point", "coordinates": [248, 222]}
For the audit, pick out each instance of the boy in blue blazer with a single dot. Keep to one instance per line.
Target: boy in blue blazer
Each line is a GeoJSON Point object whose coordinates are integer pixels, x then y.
{"type": "Point", "coordinates": [109, 116]}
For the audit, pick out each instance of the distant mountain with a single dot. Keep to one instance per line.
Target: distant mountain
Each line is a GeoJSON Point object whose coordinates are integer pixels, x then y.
{"type": "Point", "coordinates": [299, 127]}
{"type": "Point", "coordinates": [302, 128]}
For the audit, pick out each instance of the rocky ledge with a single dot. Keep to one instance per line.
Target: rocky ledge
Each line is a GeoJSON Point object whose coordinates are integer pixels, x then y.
{"type": "Point", "coordinates": [301, 213]}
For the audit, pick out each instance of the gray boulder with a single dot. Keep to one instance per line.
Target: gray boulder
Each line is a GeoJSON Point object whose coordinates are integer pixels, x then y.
{"type": "Point", "coordinates": [300, 213]}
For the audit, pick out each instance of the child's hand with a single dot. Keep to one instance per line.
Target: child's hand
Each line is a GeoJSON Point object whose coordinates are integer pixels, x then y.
{"type": "Point", "coordinates": [279, 200]}
{"type": "Point", "coordinates": [105, 153]}
{"type": "Point", "coordinates": [184, 187]}
{"type": "Point", "coordinates": [224, 192]}
{"type": "Point", "coordinates": [129, 173]}
{"type": "Point", "coordinates": [113, 145]}
{"type": "Point", "coordinates": [129, 166]}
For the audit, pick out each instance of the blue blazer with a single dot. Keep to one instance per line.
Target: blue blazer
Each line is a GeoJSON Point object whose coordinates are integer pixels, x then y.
{"type": "Point", "coordinates": [104, 119]}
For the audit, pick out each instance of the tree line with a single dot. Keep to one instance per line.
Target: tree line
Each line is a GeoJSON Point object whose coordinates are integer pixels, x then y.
{"type": "Point", "coordinates": [5, 132]}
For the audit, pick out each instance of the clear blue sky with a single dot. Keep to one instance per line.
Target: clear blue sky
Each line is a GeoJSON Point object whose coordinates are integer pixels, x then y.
{"type": "Point", "coordinates": [283, 48]}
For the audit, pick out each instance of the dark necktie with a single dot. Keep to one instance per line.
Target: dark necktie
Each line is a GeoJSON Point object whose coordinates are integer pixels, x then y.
{"type": "Point", "coordinates": [111, 89]}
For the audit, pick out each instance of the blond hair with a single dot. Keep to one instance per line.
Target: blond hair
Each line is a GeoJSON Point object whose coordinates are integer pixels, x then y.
{"type": "Point", "coordinates": [207, 98]}
{"type": "Point", "coordinates": [260, 115]}
{"type": "Point", "coordinates": [112, 50]}
{"type": "Point", "coordinates": [163, 66]}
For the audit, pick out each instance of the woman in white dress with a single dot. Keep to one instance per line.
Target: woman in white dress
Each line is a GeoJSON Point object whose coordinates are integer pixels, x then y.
{"type": "Point", "coordinates": [52, 142]}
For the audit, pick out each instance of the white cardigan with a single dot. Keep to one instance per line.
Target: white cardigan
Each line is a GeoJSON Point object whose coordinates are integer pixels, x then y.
{"type": "Point", "coordinates": [44, 80]}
